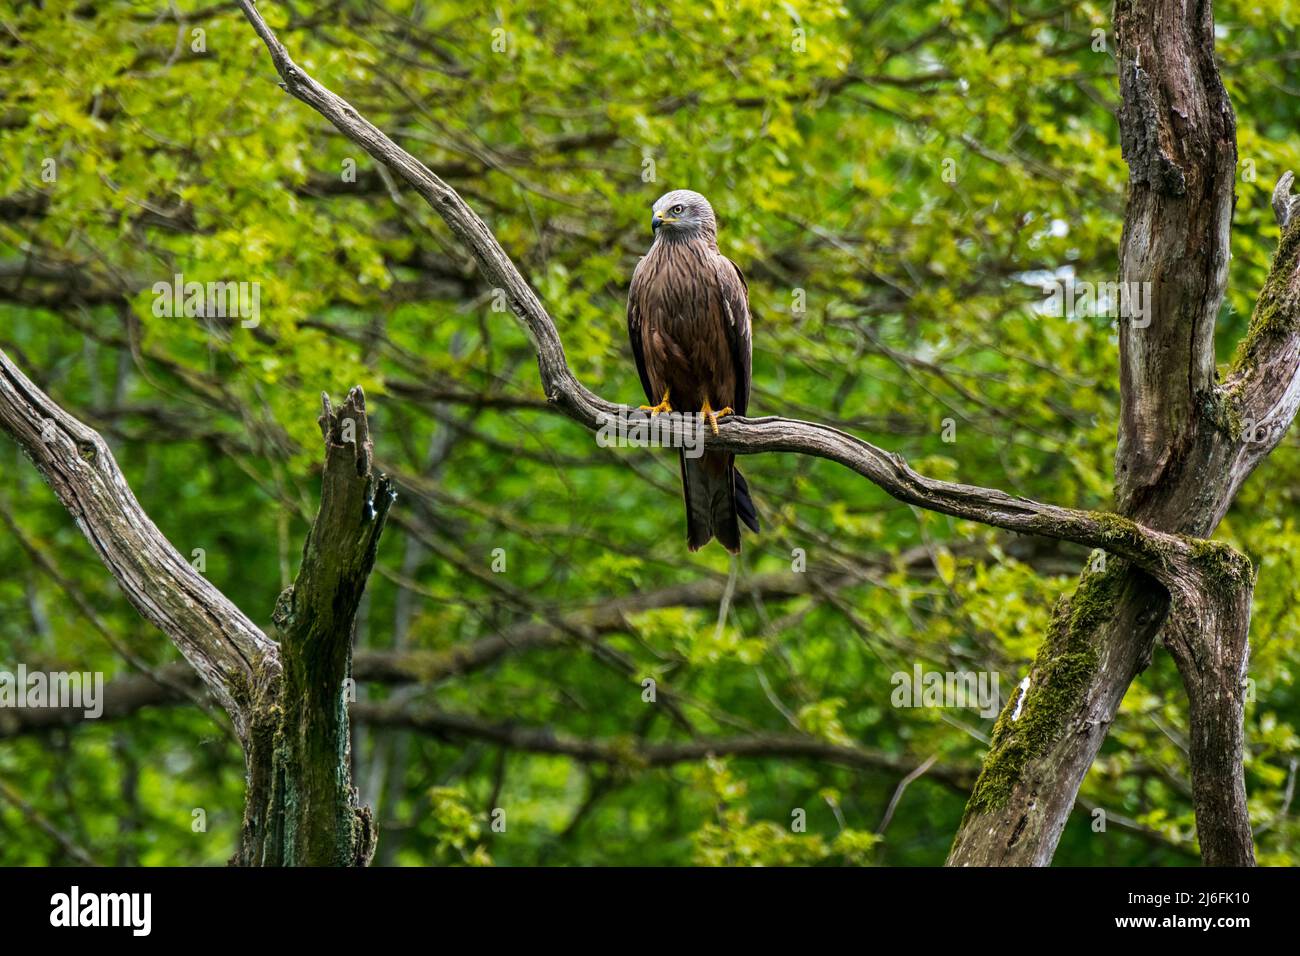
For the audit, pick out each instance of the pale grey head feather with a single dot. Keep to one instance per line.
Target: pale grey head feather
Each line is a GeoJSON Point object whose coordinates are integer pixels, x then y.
{"type": "Point", "coordinates": [684, 214]}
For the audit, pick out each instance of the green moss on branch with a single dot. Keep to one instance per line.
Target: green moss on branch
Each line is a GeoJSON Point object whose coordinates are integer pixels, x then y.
{"type": "Point", "coordinates": [1035, 717]}
{"type": "Point", "coordinates": [1277, 311]}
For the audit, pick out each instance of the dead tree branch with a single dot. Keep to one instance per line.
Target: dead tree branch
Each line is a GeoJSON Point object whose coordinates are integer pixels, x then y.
{"type": "Point", "coordinates": [219, 641]}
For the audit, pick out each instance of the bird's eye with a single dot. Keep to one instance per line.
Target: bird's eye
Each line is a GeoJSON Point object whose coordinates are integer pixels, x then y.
{"type": "Point", "coordinates": [678, 210]}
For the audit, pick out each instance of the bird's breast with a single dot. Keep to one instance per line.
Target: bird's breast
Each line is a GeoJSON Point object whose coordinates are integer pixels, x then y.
{"type": "Point", "coordinates": [679, 286]}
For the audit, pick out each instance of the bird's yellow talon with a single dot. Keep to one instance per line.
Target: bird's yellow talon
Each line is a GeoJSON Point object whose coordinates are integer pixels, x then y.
{"type": "Point", "coordinates": [654, 410]}
{"type": "Point", "coordinates": [712, 417]}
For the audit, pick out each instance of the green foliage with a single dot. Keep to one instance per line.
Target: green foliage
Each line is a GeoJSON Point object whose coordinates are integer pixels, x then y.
{"type": "Point", "coordinates": [732, 840]}
{"type": "Point", "coordinates": [457, 828]}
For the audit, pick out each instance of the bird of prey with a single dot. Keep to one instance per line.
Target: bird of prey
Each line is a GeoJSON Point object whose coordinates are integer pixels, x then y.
{"type": "Point", "coordinates": [688, 319]}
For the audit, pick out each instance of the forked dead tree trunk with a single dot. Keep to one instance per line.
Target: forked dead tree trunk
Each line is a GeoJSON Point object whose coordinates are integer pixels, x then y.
{"type": "Point", "coordinates": [301, 808]}
{"type": "Point", "coordinates": [285, 700]}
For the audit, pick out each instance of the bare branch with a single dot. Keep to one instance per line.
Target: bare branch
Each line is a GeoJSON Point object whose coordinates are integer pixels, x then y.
{"type": "Point", "coordinates": [637, 753]}
{"type": "Point", "coordinates": [65, 842]}
{"type": "Point", "coordinates": [1264, 385]}
{"type": "Point", "coordinates": [1285, 205]}
{"type": "Point", "coordinates": [218, 640]}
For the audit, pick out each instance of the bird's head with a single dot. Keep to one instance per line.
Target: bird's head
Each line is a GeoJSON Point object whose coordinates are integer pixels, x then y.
{"type": "Point", "coordinates": [683, 214]}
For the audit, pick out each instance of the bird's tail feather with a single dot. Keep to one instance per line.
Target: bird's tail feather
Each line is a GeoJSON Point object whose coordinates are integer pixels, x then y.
{"type": "Point", "coordinates": [714, 494]}
{"type": "Point", "coordinates": [744, 503]}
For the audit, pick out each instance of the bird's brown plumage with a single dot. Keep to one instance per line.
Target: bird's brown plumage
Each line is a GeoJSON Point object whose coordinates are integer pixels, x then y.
{"type": "Point", "coordinates": [688, 320]}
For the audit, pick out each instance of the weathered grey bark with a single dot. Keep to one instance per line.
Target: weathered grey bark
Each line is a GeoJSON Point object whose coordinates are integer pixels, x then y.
{"type": "Point", "coordinates": [301, 808]}
{"type": "Point", "coordinates": [285, 700]}
{"type": "Point", "coordinates": [1207, 636]}
{"type": "Point", "coordinates": [1179, 137]}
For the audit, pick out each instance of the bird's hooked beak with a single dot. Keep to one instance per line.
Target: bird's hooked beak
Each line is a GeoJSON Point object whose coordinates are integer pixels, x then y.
{"type": "Point", "coordinates": [655, 222]}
